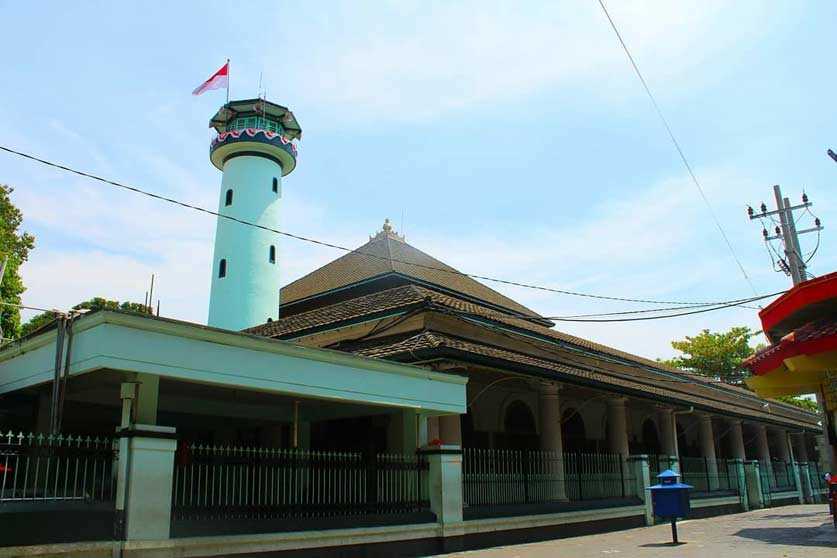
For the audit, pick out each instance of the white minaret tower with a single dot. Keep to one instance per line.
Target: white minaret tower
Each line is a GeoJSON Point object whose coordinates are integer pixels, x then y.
{"type": "Point", "coordinates": [254, 150]}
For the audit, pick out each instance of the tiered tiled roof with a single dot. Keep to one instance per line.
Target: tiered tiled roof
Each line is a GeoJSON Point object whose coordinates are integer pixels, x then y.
{"type": "Point", "coordinates": [613, 367]}
{"type": "Point", "coordinates": [388, 253]}
{"type": "Point", "coordinates": [429, 287]}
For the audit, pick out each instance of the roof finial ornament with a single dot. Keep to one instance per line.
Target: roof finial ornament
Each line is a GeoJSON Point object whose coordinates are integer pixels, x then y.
{"type": "Point", "coordinates": [387, 232]}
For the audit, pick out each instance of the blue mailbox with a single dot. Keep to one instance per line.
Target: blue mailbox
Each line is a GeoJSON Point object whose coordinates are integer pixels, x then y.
{"type": "Point", "coordinates": [670, 499]}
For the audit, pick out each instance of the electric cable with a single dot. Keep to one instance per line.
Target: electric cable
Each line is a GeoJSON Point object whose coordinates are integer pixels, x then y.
{"type": "Point", "coordinates": [677, 147]}
{"type": "Point", "coordinates": [344, 248]}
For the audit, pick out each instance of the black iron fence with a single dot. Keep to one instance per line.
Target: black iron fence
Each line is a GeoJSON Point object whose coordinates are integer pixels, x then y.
{"type": "Point", "coordinates": [709, 475]}
{"type": "Point", "coordinates": [501, 477]}
{"type": "Point", "coordinates": [212, 482]}
{"type": "Point", "coordinates": [659, 463]}
{"type": "Point", "coordinates": [818, 484]}
{"type": "Point", "coordinates": [777, 476]}
{"type": "Point", "coordinates": [47, 468]}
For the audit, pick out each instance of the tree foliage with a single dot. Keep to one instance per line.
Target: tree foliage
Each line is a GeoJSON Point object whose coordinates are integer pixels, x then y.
{"type": "Point", "coordinates": [715, 354]}
{"type": "Point", "coordinates": [96, 303]}
{"type": "Point", "coordinates": [719, 355]}
{"type": "Point", "coordinates": [807, 404]}
{"type": "Point", "coordinates": [14, 249]}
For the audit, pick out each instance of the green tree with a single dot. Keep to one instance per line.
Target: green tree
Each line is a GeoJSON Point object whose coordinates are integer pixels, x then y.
{"type": "Point", "coordinates": [719, 355]}
{"type": "Point", "coordinates": [96, 303]}
{"type": "Point", "coordinates": [807, 404]}
{"type": "Point", "coordinates": [715, 354]}
{"type": "Point", "coordinates": [14, 250]}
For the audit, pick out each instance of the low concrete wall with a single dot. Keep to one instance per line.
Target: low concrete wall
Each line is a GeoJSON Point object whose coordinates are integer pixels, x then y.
{"type": "Point", "coordinates": [466, 534]}
{"type": "Point", "coordinates": [709, 507]}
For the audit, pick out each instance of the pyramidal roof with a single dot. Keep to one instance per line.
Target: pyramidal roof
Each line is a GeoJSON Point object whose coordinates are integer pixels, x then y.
{"type": "Point", "coordinates": [387, 253]}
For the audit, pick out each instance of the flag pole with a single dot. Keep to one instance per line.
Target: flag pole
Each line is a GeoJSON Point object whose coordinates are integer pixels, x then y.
{"type": "Point", "coordinates": [228, 80]}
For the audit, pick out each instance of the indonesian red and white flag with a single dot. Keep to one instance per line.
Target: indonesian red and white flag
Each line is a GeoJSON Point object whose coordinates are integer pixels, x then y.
{"type": "Point", "coordinates": [219, 79]}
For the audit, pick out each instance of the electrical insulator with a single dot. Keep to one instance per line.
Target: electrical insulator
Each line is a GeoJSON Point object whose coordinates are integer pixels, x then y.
{"type": "Point", "coordinates": [778, 231]}
{"type": "Point", "coordinates": [764, 233]}
{"type": "Point", "coordinates": [817, 221]}
{"type": "Point", "coordinates": [763, 208]}
{"type": "Point", "coordinates": [749, 211]}
{"type": "Point", "coordinates": [804, 197]}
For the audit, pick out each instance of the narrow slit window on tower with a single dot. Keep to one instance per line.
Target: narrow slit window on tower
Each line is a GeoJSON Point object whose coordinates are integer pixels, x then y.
{"type": "Point", "coordinates": [222, 268]}
{"type": "Point", "coordinates": [275, 184]}
{"type": "Point", "coordinates": [272, 254]}
{"type": "Point", "coordinates": [228, 197]}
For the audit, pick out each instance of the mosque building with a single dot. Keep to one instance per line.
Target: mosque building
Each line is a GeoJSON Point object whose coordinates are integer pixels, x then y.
{"type": "Point", "coordinates": [383, 398]}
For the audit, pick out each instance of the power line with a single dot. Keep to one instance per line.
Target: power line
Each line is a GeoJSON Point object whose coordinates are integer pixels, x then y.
{"type": "Point", "coordinates": [677, 146]}
{"type": "Point", "coordinates": [700, 308]}
{"type": "Point", "coordinates": [344, 248]}
{"type": "Point", "coordinates": [741, 303]}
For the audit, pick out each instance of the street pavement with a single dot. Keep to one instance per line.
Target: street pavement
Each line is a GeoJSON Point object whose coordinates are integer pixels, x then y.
{"type": "Point", "coordinates": [789, 531]}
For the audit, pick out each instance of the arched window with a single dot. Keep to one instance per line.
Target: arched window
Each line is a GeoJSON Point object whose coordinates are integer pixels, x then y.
{"type": "Point", "coordinates": [519, 419]}
{"type": "Point", "coordinates": [271, 257]}
{"type": "Point", "coordinates": [275, 185]}
{"type": "Point", "coordinates": [650, 437]}
{"type": "Point", "coordinates": [228, 197]}
{"type": "Point", "coordinates": [222, 268]}
{"type": "Point", "coordinates": [573, 431]}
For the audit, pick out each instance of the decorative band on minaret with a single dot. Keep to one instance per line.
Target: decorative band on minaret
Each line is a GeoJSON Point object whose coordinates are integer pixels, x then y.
{"type": "Point", "coordinates": [254, 149]}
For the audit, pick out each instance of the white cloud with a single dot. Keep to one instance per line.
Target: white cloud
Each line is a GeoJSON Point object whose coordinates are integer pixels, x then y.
{"type": "Point", "coordinates": [419, 60]}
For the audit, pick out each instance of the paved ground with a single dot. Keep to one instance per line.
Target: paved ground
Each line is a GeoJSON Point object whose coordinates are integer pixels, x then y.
{"type": "Point", "coordinates": [790, 531]}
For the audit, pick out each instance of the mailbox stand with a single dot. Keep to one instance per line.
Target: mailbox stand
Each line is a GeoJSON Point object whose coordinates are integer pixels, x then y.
{"type": "Point", "coordinates": [670, 499]}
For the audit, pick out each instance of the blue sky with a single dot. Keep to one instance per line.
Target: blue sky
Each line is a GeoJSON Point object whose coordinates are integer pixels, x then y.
{"type": "Point", "coordinates": [514, 139]}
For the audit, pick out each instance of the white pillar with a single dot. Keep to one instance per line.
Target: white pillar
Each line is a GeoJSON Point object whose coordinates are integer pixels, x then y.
{"type": "Point", "coordinates": [617, 426]}
{"type": "Point", "coordinates": [736, 437]}
{"type": "Point", "coordinates": [668, 432]}
{"type": "Point", "coordinates": [148, 394]}
{"type": "Point", "coordinates": [762, 447]}
{"type": "Point", "coordinates": [550, 439]}
{"type": "Point", "coordinates": [707, 447]}
{"type": "Point", "coordinates": [763, 450]}
{"type": "Point", "coordinates": [450, 430]}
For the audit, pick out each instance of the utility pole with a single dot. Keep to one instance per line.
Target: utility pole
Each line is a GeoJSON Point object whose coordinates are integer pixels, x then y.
{"type": "Point", "coordinates": [794, 262]}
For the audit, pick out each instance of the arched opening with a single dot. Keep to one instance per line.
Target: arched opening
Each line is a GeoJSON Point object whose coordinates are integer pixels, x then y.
{"type": "Point", "coordinates": [519, 428]}
{"type": "Point", "coordinates": [222, 268]}
{"type": "Point", "coordinates": [573, 432]}
{"type": "Point", "coordinates": [650, 438]}
{"type": "Point", "coordinates": [271, 257]}
{"type": "Point", "coordinates": [228, 197]}
{"type": "Point", "coordinates": [275, 185]}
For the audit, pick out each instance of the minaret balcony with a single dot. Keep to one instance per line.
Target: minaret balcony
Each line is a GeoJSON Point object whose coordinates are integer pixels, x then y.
{"type": "Point", "coordinates": [253, 141]}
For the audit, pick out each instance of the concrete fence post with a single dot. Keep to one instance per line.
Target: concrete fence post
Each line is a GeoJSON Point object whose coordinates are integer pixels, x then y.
{"type": "Point", "coordinates": [753, 477]}
{"type": "Point", "coordinates": [797, 479]}
{"type": "Point", "coordinates": [445, 485]}
{"type": "Point", "coordinates": [642, 482]}
{"type": "Point", "coordinates": [144, 481]}
{"type": "Point", "coordinates": [804, 472]}
{"type": "Point", "coordinates": [741, 481]}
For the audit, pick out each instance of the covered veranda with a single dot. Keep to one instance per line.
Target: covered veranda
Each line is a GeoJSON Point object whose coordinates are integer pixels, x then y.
{"type": "Point", "coordinates": [271, 434]}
